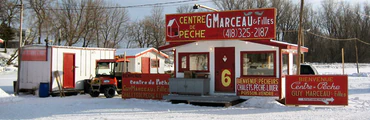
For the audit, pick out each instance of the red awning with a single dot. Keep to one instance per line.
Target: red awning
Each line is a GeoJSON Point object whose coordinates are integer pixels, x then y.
{"type": "Point", "coordinates": [172, 44]}
{"type": "Point", "coordinates": [282, 45]}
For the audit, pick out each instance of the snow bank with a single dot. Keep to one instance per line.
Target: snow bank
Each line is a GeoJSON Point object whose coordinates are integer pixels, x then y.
{"type": "Point", "coordinates": [5, 97]}
{"type": "Point", "coordinates": [4, 55]}
{"type": "Point", "coordinates": [8, 69]}
{"type": "Point", "coordinates": [262, 102]}
{"type": "Point", "coordinates": [3, 93]}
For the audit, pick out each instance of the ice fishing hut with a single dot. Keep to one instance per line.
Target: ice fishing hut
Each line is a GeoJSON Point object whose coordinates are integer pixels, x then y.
{"type": "Point", "coordinates": [74, 64]}
{"type": "Point", "coordinates": [230, 53]}
{"type": "Point", "coordinates": [144, 60]}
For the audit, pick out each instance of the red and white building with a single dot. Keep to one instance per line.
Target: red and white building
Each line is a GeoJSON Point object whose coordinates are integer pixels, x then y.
{"type": "Point", "coordinates": [74, 65]}
{"type": "Point", "coordinates": [144, 60]}
{"type": "Point", "coordinates": [235, 48]}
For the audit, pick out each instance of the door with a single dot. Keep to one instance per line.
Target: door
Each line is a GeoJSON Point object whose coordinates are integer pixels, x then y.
{"type": "Point", "coordinates": [145, 65]}
{"type": "Point", "coordinates": [224, 69]}
{"type": "Point", "coordinates": [68, 70]}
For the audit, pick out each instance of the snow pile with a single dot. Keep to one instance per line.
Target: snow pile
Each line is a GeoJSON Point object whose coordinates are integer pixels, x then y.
{"type": "Point", "coordinates": [5, 97]}
{"type": "Point", "coordinates": [4, 55]}
{"type": "Point", "coordinates": [3, 93]}
{"type": "Point", "coordinates": [262, 102]}
{"type": "Point", "coordinates": [350, 69]}
{"type": "Point", "coordinates": [8, 69]}
{"type": "Point", "coordinates": [361, 74]}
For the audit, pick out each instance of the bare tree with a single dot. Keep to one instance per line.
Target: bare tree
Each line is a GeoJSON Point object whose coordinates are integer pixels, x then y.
{"type": "Point", "coordinates": [92, 22]}
{"type": "Point", "coordinates": [149, 32]}
{"type": "Point", "coordinates": [39, 8]}
{"type": "Point", "coordinates": [157, 27]}
{"type": "Point", "coordinates": [139, 34]}
{"type": "Point", "coordinates": [8, 19]}
{"type": "Point", "coordinates": [70, 17]}
{"type": "Point", "coordinates": [113, 27]}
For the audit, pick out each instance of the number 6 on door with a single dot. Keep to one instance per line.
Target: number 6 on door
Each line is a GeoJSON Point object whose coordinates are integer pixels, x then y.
{"type": "Point", "coordinates": [225, 77]}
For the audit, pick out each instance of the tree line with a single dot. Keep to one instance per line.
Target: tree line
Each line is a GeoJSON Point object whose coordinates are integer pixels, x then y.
{"type": "Point", "coordinates": [98, 23]}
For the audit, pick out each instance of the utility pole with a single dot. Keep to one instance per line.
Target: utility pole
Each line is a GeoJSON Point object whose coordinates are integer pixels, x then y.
{"type": "Point", "coordinates": [302, 40]}
{"type": "Point", "coordinates": [19, 48]}
{"type": "Point", "coordinates": [299, 39]}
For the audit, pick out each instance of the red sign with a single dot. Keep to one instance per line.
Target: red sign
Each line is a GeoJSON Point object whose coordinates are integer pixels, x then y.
{"type": "Point", "coordinates": [257, 86]}
{"type": "Point", "coordinates": [34, 55]}
{"type": "Point", "coordinates": [241, 24]}
{"type": "Point", "coordinates": [316, 90]}
{"type": "Point", "coordinates": [145, 86]}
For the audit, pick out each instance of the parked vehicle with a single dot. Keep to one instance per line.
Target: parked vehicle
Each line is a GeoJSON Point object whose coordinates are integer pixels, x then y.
{"type": "Point", "coordinates": [307, 69]}
{"type": "Point", "coordinates": [107, 79]}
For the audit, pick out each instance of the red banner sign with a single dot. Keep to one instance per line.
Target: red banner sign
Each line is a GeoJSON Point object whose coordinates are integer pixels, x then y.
{"type": "Point", "coordinates": [145, 86]}
{"type": "Point", "coordinates": [258, 86]}
{"type": "Point", "coordinates": [241, 24]}
{"type": "Point", "coordinates": [34, 55]}
{"type": "Point", "coordinates": [316, 90]}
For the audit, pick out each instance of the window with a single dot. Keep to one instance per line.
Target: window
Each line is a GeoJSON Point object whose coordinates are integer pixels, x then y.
{"type": "Point", "coordinates": [258, 63]}
{"type": "Point", "coordinates": [154, 63]}
{"type": "Point", "coordinates": [183, 62]}
{"type": "Point", "coordinates": [194, 62]}
{"type": "Point", "coordinates": [104, 68]}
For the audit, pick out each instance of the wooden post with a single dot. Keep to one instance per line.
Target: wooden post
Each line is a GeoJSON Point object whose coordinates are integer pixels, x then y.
{"type": "Point", "coordinates": [156, 58]}
{"type": "Point", "coordinates": [124, 63]}
{"type": "Point", "coordinates": [358, 71]}
{"type": "Point", "coordinates": [343, 61]}
{"type": "Point", "coordinates": [19, 50]}
{"type": "Point", "coordinates": [299, 40]}
{"type": "Point", "coordinates": [302, 42]}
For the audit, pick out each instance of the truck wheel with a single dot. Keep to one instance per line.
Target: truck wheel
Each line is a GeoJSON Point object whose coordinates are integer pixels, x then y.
{"type": "Point", "coordinates": [109, 92]}
{"type": "Point", "coordinates": [94, 93]}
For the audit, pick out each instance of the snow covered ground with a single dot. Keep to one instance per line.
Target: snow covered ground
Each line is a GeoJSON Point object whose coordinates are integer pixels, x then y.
{"type": "Point", "coordinates": [85, 107]}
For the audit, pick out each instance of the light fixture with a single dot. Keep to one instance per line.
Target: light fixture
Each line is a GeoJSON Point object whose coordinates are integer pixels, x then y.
{"type": "Point", "coordinates": [197, 6]}
{"type": "Point", "coordinates": [246, 42]}
{"type": "Point", "coordinates": [196, 43]}
{"type": "Point", "coordinates": [211, 48]}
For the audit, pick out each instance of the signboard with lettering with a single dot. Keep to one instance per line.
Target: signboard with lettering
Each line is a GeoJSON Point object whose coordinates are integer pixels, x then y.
{"type": "Point", "coordinates": [316, 90]}
{"type": "Point", "coordinates": [258, 86]}
{"type": "Point", "coordinates": [239, 24]}
{"type": "Point", "coordinates": [34, 55]}
{"type": "Point", "coordinates": [145, 86]}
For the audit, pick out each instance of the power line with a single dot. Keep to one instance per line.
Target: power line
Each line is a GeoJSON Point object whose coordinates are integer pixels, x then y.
{"type": "Point", "coordinates": [346, 39]}
{"type": "Point", "coordinates": [130, 6]}
{"type": "Point", "coordinates": [329, 38]}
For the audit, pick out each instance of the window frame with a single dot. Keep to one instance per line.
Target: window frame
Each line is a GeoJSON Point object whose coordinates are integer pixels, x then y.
{"type": "Point", "coordinates": [152, 60]}
{"type": "Point", "coordinates": [187, 54]}
{"type": "Point", "coordinates": [257, 52]}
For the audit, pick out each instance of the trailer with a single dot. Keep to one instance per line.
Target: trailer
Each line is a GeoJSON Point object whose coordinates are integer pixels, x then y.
{"type": "Point", "coordinates": [39, 63]}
